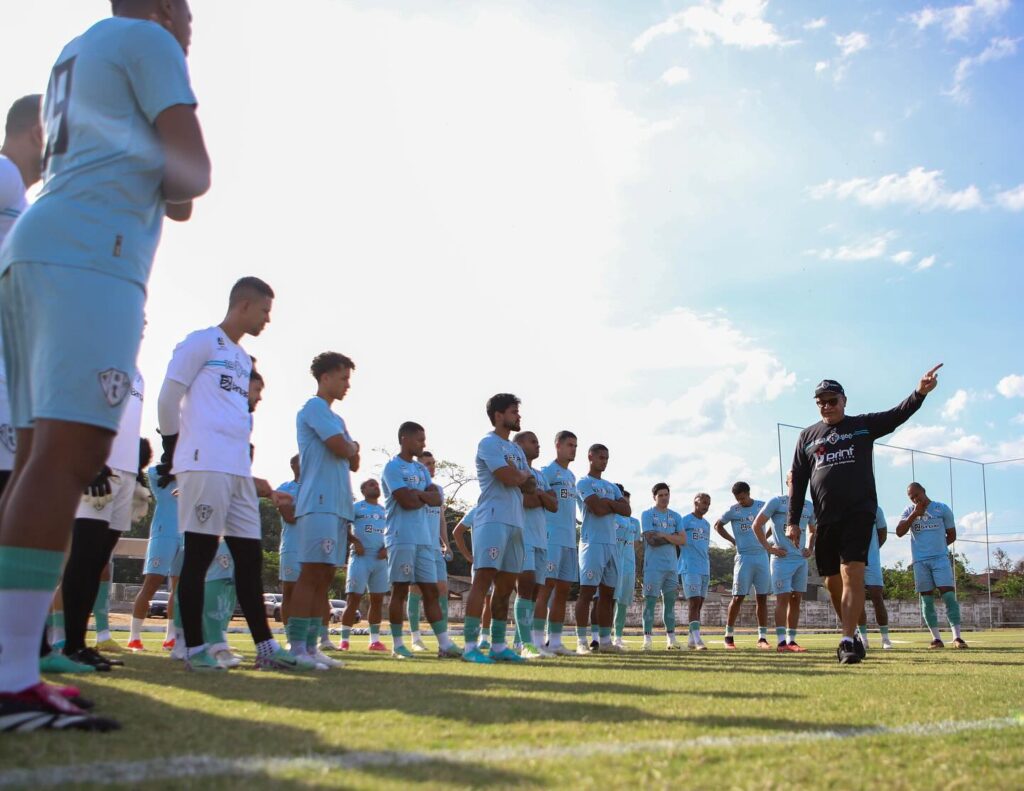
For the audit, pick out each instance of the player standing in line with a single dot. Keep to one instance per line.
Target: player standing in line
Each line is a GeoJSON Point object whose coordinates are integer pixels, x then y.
{"type": "Point", "coordinates": [932, 529]}
{"type": "Point", "coordinates": [327, 457]}
{"type": "Point", "coordinates": [563, 567]}
{"type": "Point", "coordinates": [535, 552]}
{"type": "Point", "coordinates": [874, 584]}
{"type": "Point", "coordinates": [288, 549]}
{"type": "Point", "coordinates": [367, 570]}
{"type": "Point", "coordinates": [600, 501]}
{"type": "Point", "coordinates": [750, 568]}
{"type": "Point", "coordinates": [459, 539]}
{"type": "Point", "coordinates": [627, 534]}
{"type": "Point", "coordinates": [123, 148]}
{"type": "Point", "coordinates": [788, 564]}
{"type": "Point", "coordinates": [662, 530]}
{"type": "Point", "coordinates": [834, 457]}
{"type": "Point", "coordinates": [498, 549]}
{"type": "Point", "coordinates": [695, 565]}
{"type": "Point", "coordinates": [435, 514]}
{"type": "Point", "coordinates": [205, 396]}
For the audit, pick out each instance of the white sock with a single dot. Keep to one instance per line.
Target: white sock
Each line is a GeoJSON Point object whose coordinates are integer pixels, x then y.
{"type": "Point", "coordinates": [216, 648]}
{"type": "Point", "coordinates": [956, 631]}
{"type": "Point", "coordinates": [593, 633]}
{"type": "Point", "coordinates": [935, 632]}
{"type": "Point", "coordinates": [554, 641]}
{"type": "Point", "coordinates": [197, 650]}
{"type": "Point", "coordinates": [57, 634]}
{"type": "Point", "coordinates": [399, 642]}
{"type": "Point", "coordinates": [136, 628]}
{"type": "Point", "coordinates": [606, 640]}
{"type": "Point", "coordinates": [23, 615]}
{"type": "Point", "coordinates": [498, 647]}
{"type": "Point", "coordinates": [696, 635]}
{"type": "Point", "coordinates": [470, 646]}
{"type": "Point", "coordinates": [443, 640]}
{"type": "Point", "coordinates": [179, 635]}
{"type": "Point", "coordinates": [102, 637]}
{"type": "Point", "coordinates": [297, 649]}
{"type": "Point", "coordinates": [538, 637]}
{"type": "Point", "coordinates": [416, 636]}
{"type": "Point", "coordinates": [170, 631]}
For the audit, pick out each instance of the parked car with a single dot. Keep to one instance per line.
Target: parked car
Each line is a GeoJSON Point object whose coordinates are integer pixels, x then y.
{"type": "Point", "coordinates": [272, 603]}
{"type": "Point", "coordinates": [158, 604]}
{"type": "Point", "coordinates": [338, 609]}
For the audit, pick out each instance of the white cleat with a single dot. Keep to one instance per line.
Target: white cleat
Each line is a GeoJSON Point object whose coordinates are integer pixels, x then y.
{"type": "Point", "coordinates": [647, 644]}
{"type": "Point", "coordinates": [227, 660]}
{"type": "Point", "coordinates": [582, 649]}
{"type": "Point", "coordinates": [886, 644]}
{"type": "Point", "coordinates": [673, 645]}
{"type": "Point", "coordinates": [419, 646]}
{"type": "Point", "coordinates": [561, 650]}
{"type": "Point", "coordinates": [699, 646]}
{"type": "Point", "coordinates": [178, 652]}
{"type": "Point", "coordinates": [322, 659]}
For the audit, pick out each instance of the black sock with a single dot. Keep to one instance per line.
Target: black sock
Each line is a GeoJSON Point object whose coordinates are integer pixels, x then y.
{"type": "Point", "coordinates": [200, 550]}
{"type": "Point", "coordinates": [248, 557]}
{"type": "Point", "coordinates": [92, 544]}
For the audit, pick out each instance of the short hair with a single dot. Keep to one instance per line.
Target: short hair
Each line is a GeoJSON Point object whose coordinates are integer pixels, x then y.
{"type": "Point", "coordinates": [623, 490]}
{"type": "Point", "coordinates": [407, 428]}
{"type": "Point", "coordinates": [325, 362]}
{"type": "Point", "coordinates": [739, 487]}
{"type": "Point", "coordinates": [366, 483]}
{"type": "Point", "coordinates": [426, 455]}
{"type": "Point", "coordinates": [145, 453]}
{"type": "Point", "coordinates": [563, 435]}
{"type": "Point", "coordinates": [597, 446]}
{"type": "Point", "coordinates": [247, 288]}
{"type": "Point", "coordinates": [499, 403]}
{"type": "Point", "coordinates": [658, 487]}
{"type": "Point", "coordinates": [24, 114]}
{"type": "Point", "coordinates": [294, 459]}
{"type": "Point", "coordinates": [256, 376]}
{"type": "Point", "coordinates": [701, 496]}
{"type": "Point", "coordinates": [523, 435]}
{"type": "Point", "coordinates": [914, 484]}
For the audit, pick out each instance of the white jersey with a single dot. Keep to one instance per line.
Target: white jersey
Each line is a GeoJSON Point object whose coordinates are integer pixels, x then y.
{"type": "Point", "coordinates": [124, 452]}
{"type": "Point", "coordinates": [12, 205]}
{"type": "Point", "coordinates": [215, 420]}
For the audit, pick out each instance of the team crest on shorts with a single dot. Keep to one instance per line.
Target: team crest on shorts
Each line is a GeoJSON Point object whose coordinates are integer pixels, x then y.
{"type": "Point", "coordinates": [551, 567]}
{"type": "Point", "coordinates": [648, 588]}
{"type": "Point", "coordinates": [8, 437]}
{"type": "Point", "coordinates": [407, 569]}
{"type": "Point", "coordinates": [778, 584]}
{"type": "Point", "coordinates": [590, 574]}
{"type": "Point", "coordinates": [693, 589]}
{"type": "Point", "coordinates": [492, 553]}
{"type": "Point", "coordinates": [327, 545]}
{"type": "Point", "coordinates": [99, 506]}
{"type": "Point", "coordinates": [155, 563]}
{"type": "Point", "coordinates": [115, 384]}
{"type": "Point", "coordinates": [224, 561]}
{"type": "Point", "coordinates": [203, 512]}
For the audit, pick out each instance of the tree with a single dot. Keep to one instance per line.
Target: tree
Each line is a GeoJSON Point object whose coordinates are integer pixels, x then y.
{"type": "Point", "coordinates": [1001, 560]}
{"type": "Point", "coordinates": [1011, 586]}
{"type": "Point", "coordinates": [899, 582]}
{"type": "Point", "coordinates": [721, 561]}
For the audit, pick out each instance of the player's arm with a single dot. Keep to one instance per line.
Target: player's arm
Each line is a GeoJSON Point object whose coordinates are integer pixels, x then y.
{"type": "Point", "coordinates": [909, 517]}
{"type": "Point", "coordinates": [353, 540]}
{"type": "Point", "coordinates": [759, 522]}
{"type": "Point", "coordinates": [881, 528]}
{"type": "Point", "coordinates": [187, 164]}
{"type": "Point", "coordinates": [676, 539]}
{"type": "Point", "coordinates": [597, 505]}
{"type": "Point", "coordinates": [431, 496]}
{"type": "Point", "coordinates": [720, 529]}
{"type": "Point", "coordinates": [548, 500]}
{"type": "Point", "coordinates": [620, 506]}
{"type": "Point", "coordinates": [950, 523]}
{"type": "Point", "coordinates": [287, 511]}
{"type": "Point", "coordinates": [650, 536]}
{"type": "Point", "coordinates": [812, 539]}
{"type": "Point", "coordinates": [882, 423]}
{"type": "Point", "coordinates": [442, 525]}
{"type": "Point", "coordinates": [459, 537]}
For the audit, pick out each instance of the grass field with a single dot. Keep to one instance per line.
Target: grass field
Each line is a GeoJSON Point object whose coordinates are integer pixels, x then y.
{"type": "Point", "coordinates": [910, 718]}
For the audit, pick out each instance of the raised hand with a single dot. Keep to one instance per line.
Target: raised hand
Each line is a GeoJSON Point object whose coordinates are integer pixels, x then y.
{"type": "Point", "coordinates": [929, 381]}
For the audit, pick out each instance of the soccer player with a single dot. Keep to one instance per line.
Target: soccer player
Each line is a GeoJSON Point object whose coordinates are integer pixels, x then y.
{"type": "Point", "coordinates": [535, 550]}
{"type": "Point", "coordinates": [288, 549]}
{"type": "Point", "coordinates": [627, 535]}
{"type": "Point", "coordinates": [205, 397]}
{"type": "Point", "coordinates": [750, 568]}
{"type": "Point", "coordinates": [833, 457]}
{"type": "Point", "coordinates": [932, 529]}
{"type": "Point", "coordinates": [218, 607]}
{"type": "Point", "coordinates": [788, 564]}
{"type": "Point", "coordinates": [367, 570]}
{"type": "Point", "coordinates": [662, 530]}
{"type": "Point", "coordinates": [599, 501]}
{"type": "Point", "coordinates": [327, 457]}
{"type": "Point", "coordinates": [498, 550]}
{"type": "Point", "coordinates": [695, 566]}
{"type": "Point", "coordinates": [435, 515]}
{"type": "Point", "coordinates": [459, 539]}
{"type": "Point", "coordinates": [874, 584]}
{"type": "Point", "coordinates": [563, 555]}
{"type": "Point", "coordinates": [411, 539]}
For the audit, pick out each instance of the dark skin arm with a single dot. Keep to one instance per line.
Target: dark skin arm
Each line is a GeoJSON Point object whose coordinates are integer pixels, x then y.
{"type": "Point", "coordinates": [187, 164]}
{"type": "Point", "coordinates": [720, 529]}
{"type": "Point", "coordinates": [599, 506]}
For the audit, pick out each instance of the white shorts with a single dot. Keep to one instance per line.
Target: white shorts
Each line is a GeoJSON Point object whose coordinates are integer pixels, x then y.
{"type": "Point", "coordinates": [118, 512]}
{"type": "Point", "coordinates": [218, 504]}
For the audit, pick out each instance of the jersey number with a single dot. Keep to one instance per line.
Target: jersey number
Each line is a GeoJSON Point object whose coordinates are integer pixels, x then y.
{"type": "Point", "coordinates": [59, 97]}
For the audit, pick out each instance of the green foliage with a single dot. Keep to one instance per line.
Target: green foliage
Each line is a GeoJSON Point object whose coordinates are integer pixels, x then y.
{"type": "Point", "coordinates": [721, 565]}
{"type": "Point", "coordinates": [899, 582]}
{"type": "Point", "coordinates": [1010, 586]}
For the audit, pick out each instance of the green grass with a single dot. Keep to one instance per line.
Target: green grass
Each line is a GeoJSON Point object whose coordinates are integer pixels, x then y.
{"type": "Point", "coordinates": [491, 725]}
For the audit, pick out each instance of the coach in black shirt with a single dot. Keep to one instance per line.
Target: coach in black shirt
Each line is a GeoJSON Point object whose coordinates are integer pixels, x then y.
{"type": "Point", "coordinates": [834, 457]}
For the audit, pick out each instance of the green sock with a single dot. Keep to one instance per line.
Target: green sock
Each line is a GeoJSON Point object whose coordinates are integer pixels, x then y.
{"type": "Point", "coordinates": [762, 632]}
{"type": "Point", "coordinates": [694, 626]}
{"type": "Point", "coordinates": [101, 608]}
{"type": "Point", "coordinates": [471, 629]}
{"type": "Point", "coordinates": [620, 617]}
{"type": "Point", "coordinates": [780, 633]}
{"type": "Point", "coordinates": [649, 602]}
{"type": "Point", "coordinates": [791, 634]}
{"type": "Point", "coordinates": [312, 635]}
{"type": "Point", "coordinates": [538, 625]}
{"type": "Point", "coordinates": [863, 629]}
{"type": "Point", "coordinates": [524, 619]}
{"type": "Point", "coordinates": [346, 632]}
{"type": "Point", "coordinates": [218, 599]}
{"type": "Point", "coordinates": [30, 569]}
{"type": "Point", "coordinates": [296, 631]}
{"type": "Point", "coordinates": [669, 598]}
{"type": "Point", "coordinates": [414, 612]}
{"type": "Point", "coordinates": [928, 610]}
{"type": "Point", "coordinates": [486, 632]}
{"type": "Point", "coordinates": [884, 630]}
{"type": "Point", "coordinates": [325, 633]}
{"type": "Point", "coordinates": [498, 630]}
{"type": "Point", "coordinates": [728, 631]}
{"type": "Point", "coordinates": [374, 632]}
{"type": "Point", "coordinates": [604, 632]}
{"type": "Point", "coordinates": [444, 611]}
{"type": "Point", "coordinates": [952, 608]}
{"type": "Point", "coordinates": [396, 635]}
{"type": "Point", "coordinates": [555, 627]}
{"type": "Point", "coordinates": [177, 613]}
{"type": "Point", "coordinates": [581, 634]}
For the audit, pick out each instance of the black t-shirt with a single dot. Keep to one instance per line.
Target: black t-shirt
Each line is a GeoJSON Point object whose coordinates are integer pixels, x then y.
{"type": "Point", "coordinates": [836, 462]}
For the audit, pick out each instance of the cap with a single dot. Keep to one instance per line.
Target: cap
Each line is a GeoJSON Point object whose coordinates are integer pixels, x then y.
{"type": "Point", "coordinates": [828, 386]}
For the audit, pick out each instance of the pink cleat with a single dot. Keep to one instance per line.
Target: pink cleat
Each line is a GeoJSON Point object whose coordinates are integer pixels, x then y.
{"type": "Point", "coordinates": [343, 646]}
{"type": "Point", "coordinates": [169, 645]}
{"type": "Point", "coordinates": [793, 648]}
{"type": "Point", "coordinates": [377, 645]}
{"type": "Point", "coordinates": [136, 645]}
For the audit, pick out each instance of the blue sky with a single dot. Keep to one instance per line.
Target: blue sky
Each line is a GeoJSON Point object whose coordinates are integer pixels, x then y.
{"type": "Point", "coordinates": [659, 223]}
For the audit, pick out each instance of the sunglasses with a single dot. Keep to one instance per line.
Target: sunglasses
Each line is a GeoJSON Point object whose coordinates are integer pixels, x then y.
{"type": "Point", "coordinates": [824, 402]}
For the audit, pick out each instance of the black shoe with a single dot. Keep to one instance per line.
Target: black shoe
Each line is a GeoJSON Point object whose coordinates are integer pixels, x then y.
{"type": "Point", "coordinates": [858, 646]}
{"type": "Point", "coordinates": [846, 653]}
{"type": "Point", "coordinates": [594, 645]}
{"type": "Point", "coordinates": [110, 660]}
{"type": "Point", "coordinates": [91, 657]}
{"type": "Point", "coordinates": [937, 643]}
{"type": "Point", "coordinates": [959, 643]}
{"type": "Point", "coordinates": [43, 708]}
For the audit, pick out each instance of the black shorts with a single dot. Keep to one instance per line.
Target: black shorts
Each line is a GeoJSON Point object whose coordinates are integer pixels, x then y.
{"type": "Point", "coordinates": [845, 541]}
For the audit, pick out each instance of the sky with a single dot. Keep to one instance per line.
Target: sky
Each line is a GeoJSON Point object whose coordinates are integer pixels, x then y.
{"type": "Point", "coordinates": [657, 223]}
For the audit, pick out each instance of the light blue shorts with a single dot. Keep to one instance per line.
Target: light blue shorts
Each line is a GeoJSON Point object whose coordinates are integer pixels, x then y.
{"type": "Point", "coordinates": [442, 567]}
{"type": "Point", "coordinates": [223, 565]}
{"type": "Point", "coordinates": [367, 574]}
{"type": "Point", "coordinates": [71, 339]}
{"type": "Point", "coordinates": [932, 573]}
{"type": "Point", "coordinates": [498, 546]}
{"type": "Point", "coordinates": [289, 538]}
{"type": "Point", "coordinates": [288, 571]}
{"type": "Point", "coordinates": [656, 582]}
{"type": "Point", "coordinates": [789, 576]}
{"type": "Point", "coordinates": [563, 564]}
{"type": "Point", "coordinates": [695, 586]}
{"type": "Point", "coordinates": [751, 571]}
{"type": "Point", "coordinates": [599, 565]}
{"type": "Point", "coordinates": [873, 570]}
{"type": "Point", "coordinates": [627, 585]}
{"type": "Point", "coordinates": [412, 563]}
{"type": "Point", "coordinates": [322, 538]}
{"type": "Point", "coordinates": [535, 559]}
{"type": "Point", "coordinates": [164, 556]}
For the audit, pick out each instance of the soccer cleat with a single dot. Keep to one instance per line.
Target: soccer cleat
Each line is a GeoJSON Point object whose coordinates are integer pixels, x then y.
{"type": "Point", "coordinates": [887, 644]}
{"type": "Point", "coordinates": [864, 639]}
{"type": "Point", "coordinates": [937, 643]}
{"type": "Point", "coordinates": [344, 645]}
{"type": "Point", "coordinates": [377, 646]}
{"type": "Point", "coordinates": [169, 644]}
{"type": "Point", "coordinates": [611, 648]}
{"type": "Point", "coordinates": [847, 654]}
{"type": "Point", "coordinates": [507, 655]}
{"type": "Point", "coordinates": [730, 642]}
{"type": "Point", "coordinates": [561, 650]}
{"type": "Point", "coordinates": [56, 662]}
{"type": "Point", "coordinates": [322, 659]}
{"type": "Point", "coordinates": [647, 646]}
{"type": "Point", "coordinates": [859, 647]}
{"type": "Point", "coordinates": [594, 645]}
{"type": "Point", "coordinates": [418, 646]}
{"type": "Point", "coordinates": [402, 652]}
{"type": "Point", "coordinates": [764, 645]}
{"type": "Point", "coordinates": [782, 648]}
{"type": "Point", "coordinates": [327, 645]}
{"type": "Point", "coordinates": [959, 643]}
{"type": "Point", "coordinates": [530, 651]}
{"type": "Point", "coordinates": [283, 660]}
{"type": "Point", "coordinates": [88, 656]}
{"type": "Point", "coordinates": [135, 645]}
{"type": "Point", "coordinates": [621, 644]}
{"type": "Point", "coordinates": [794, 648]}
{"type": "Point", "coordinates": [699, 646]}
{"type": "Point", "coordinates": [582, 649]}
{"type": "Point", "coordinates": [42, 707]}
{"type": "Point", "coordinates": [203, 663]}
{"type": "Point", "coordinates": [108, 645]}
{"type": "Point", "coordinates": [673, 646]}
{"type": "Point", "coordinates": [484, 645]}
{"type": "Point", "coordinates": [74, 694]}
{"type": "Point", "coordinates": [227, 660]}
{"type": "Point", "coordinates": [477, 657]}
{"type": "Point", "coordinates": [451, 652]}
{"type": "Point", "coordinates": [178, 652]}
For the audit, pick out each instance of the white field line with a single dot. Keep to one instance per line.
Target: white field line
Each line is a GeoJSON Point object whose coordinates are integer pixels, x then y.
{"type": "Point", "coordinates": [196, 766]}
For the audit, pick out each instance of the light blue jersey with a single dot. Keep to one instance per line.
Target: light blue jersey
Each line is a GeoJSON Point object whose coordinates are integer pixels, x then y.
{"type": "Point", "coordinates": [165, 510]}
{"type": "Point", "coordinates": [928, 532]}
{"type": "Point", "coordinates": [223, 565]}
{"type": "Point", "coordinates": [326, 479]}
{"type": "Point", "coordinates": [693, 559]}
{"type": "Point", "coordinates": [742, 519]}
{"type": "Point", "coordinates": [777, 509]}
{"type": "Point", "coordinates": [369, 526]}
{"type": "Point", "coordinates": [535, 533]}
{"type": "Point", "coordinates": [661, 558]}
{"type": "Point", "coordinates": [289, 535]}
{"type": "Point", "coordinates": [406, 526]}
{"type": "Point", "coordinates": [498, 503]}
{"type": "Point", "coordinates": [101, 206]}
{"type": "Point", "coordinates": [434, 516]}
{"type": "Point", "coordinates": [873, 573]}
{"type": "Point", "coordinates": [627, 533]}
{"type": "Point", "coordinates": [561, 526]}
{"type": "Point", "coordinates": [597, 529]}
{"type": "Point", "coordinates": [469, 517]}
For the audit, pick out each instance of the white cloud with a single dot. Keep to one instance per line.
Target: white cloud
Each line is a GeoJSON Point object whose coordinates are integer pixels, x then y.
{"type": "Point", "coordinates": [878, 137]}
{"type": "Point", "coordinates": [959, 21]}
{"type": "Point", "coordinates": [1018, 419]}
{"type": "Point", "coordinates": [1012, 199]}
{"type": "Point", "coordinates": [974, 522]}
{"type": "Point", "coordinates": [947, 441]}
{"type": "Point", "coordinates": [925, 263]}
{"type": "Point", "coordinates": [917, 188]}
{"type": "Point", "coordinates": [820, 66]}
{"type": "Point", "coordinates": [1011, 386]}
{"type": "Point", "coordinates": [864, 250]}
{"type": "Point", "coordinates": [738, 23]}
{"type": "Point", "coordinates": [816, 24]}
{"type": "Point", "coordinates": [903, 257]}
{"type": "Point", "coordinates": [955, 405]}
{"type": "Point", "coordinates": [997, 49]}
{"type": "Point", "coordinates": [676, 75]}
{"type": "Point", "coordinates": [852, 43]}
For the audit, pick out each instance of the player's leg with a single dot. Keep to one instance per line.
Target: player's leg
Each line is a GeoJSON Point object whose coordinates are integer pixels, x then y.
{"type": "Point", "coordinates": [762, 587]}
{"type": "Point", "coordinates": [415, 598]}
{"type": "Point", "coordinates": [924, 583]}
{"type": "Point", "coordinates": [876, 594]}
{"type": "Point", "coordinates": [218, 605]}
{"type": "Point", "coordinates": [623, 596]}
{"type": "Point", "coordinates": [485, 622]}
{"type": "Point", "coordinates": [942, 573]}
{"type": "Point", "coordinates": [101, 610]}
{"type": "Point", "coordinates": [650, 603]}
{"type": "Point", "coordinates": [694, 602]}
{"type": "Point", "coordinates": [511, 558]}
{"type": "Point", "coordinates": [200, 549]}
{"type": "Point", "coordinates": [559, 599]}
{"type": "Point", "coordinates": [595, 621]}
{"type": "Point", "coordinates": [401, 572]}
{"type": "Point", "coordinates": [798, 584]}
{"type": "Point", "coordinates": [526, 590]}
{"type": "Point", "coordinates": [357, 574]}
{"type": "Point", "coordinates": [91, 546]}
{"type": "Point", "coordinates": [741, 582]}
{"type": "Point", "coordinates": [781, 612]}
{"type": "Point", "coordinates": [669, 594]}
{"type": "Point", "coordinates": [606, 596]}
{"type": "Point", "coordinates": [140, 608]}
{"type": "Point", "coordinates": [426, 577]}
{"type": "Point", "coordinates": [374, 617]}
